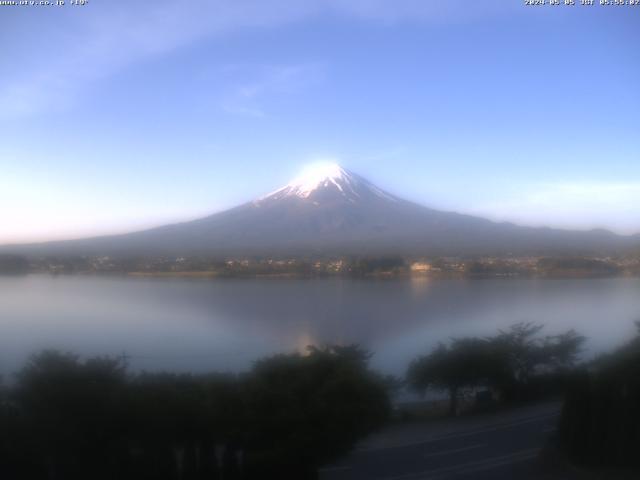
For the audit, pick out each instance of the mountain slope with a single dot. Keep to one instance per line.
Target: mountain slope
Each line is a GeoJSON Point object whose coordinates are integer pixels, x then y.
{"type": "Point", "coordinates": [329, 210]}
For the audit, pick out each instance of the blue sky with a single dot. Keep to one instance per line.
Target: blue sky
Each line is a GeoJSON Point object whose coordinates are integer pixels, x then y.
{"type": "Point", "coordinates": [125, 114]}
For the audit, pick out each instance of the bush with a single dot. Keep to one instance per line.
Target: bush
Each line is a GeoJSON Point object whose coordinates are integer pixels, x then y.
{"type": "Point", "coordinates": [518, 363]}
{"type": "Point", "coordinates": [73, 419]}
{"type": "Point", "coordinates": [600, 422]}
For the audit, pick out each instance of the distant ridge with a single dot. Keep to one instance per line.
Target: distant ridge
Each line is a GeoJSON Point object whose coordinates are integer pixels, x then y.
{"type": "Point", "coordinates": [329, 210]}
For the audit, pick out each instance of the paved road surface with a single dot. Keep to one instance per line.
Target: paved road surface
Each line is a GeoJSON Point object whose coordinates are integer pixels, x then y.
{"type": "Point", "coordinates": [496, 447]}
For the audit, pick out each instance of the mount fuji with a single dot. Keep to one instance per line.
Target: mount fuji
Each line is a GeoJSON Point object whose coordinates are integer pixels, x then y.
{"type": "Point", "coordinates": [329, 210]}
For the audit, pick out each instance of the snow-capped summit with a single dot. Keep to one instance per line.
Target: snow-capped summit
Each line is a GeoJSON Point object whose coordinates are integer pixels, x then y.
{"type": "Point", "coordinates": [324, 181]}
{"type": "Point", "coordinates": [318, 175]}
{"type": "Point", "coordinates": [329, 211]}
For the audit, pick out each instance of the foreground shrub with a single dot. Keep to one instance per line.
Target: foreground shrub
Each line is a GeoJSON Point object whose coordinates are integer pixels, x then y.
{"type": "Point", "coordinates": [600, 422]}
{"type": "Point", "coordinates": [517, 363]}
{"type": "Point", "coordinates": [71, 419]}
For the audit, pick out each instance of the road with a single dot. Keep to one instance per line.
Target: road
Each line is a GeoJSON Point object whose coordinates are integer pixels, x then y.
{"type": "Point", "coordinates": [495, 446]}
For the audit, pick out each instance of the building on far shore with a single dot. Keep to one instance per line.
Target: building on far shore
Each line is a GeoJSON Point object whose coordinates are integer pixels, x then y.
{"type": "Point", "coordinates": [420, 267]}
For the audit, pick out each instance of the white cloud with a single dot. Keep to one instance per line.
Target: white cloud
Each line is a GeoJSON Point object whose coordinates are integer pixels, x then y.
{"type": "Point", "coordinates": [255, 84]}
{"type": "Point", "coordinates": [95, 41]}
{"type": "Point", "coordinates": [114, 35]}
{"type": "Point", "coordinates": [39, 208]}
{"type": "Point", "coordinates": [612, 205]}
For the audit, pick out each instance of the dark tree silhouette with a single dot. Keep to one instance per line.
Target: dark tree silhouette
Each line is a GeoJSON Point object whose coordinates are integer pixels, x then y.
{"type": "Point", "coordinates": [506, 362]}
{"type": "Point", "coordinates": [307, 409]}
{"type": "Point", "coordinates": [70, 410]}
{"type": "Point", "coordinates": [464, 363]}
{"type": "Point", "coordinates": [600, 421]}
{"type": "Point", "coordinates": [70, 419]}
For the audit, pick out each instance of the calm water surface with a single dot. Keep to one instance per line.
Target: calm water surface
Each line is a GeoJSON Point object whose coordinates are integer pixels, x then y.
{"type": "Point", "coordinates": [225, 324]}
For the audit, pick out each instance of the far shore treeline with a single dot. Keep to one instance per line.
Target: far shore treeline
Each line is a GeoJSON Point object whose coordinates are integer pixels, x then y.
{"type": "Point", "coordinates": [63, 417]}
{"type": "Point", "coordinates": [354, 266]}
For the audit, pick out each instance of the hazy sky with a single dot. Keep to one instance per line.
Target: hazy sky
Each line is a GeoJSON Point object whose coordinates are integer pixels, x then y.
{"type": "Point", "coordinates": [123, 114]}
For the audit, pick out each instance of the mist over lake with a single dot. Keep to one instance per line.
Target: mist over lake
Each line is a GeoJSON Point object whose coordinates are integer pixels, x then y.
{"type": "Point", "coordinates": [226, 324]}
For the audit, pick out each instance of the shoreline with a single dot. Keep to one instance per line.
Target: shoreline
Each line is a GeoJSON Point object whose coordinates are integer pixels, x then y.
{"type": "Point", "coordinates": [377, 276]}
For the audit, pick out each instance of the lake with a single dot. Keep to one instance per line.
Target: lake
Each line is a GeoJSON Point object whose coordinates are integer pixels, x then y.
{"type": "Point", "coordinates": [225, 324]}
